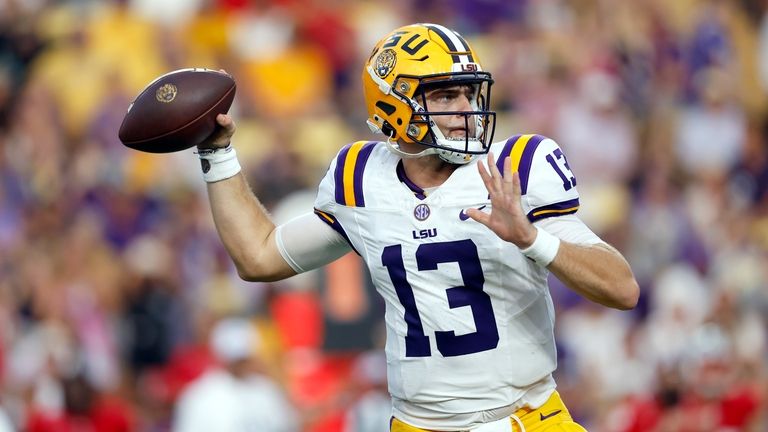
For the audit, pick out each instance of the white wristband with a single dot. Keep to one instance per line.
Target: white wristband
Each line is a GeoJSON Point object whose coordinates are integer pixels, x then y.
{"type": "Point", "coordinates": [218, 164]}
{"type": "Point", "coordinates": [544, 249]}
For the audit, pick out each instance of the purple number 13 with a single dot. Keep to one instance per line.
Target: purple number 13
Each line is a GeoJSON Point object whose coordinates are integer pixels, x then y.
{"type": "Point", "coordinates": [569, 180]}
{"type": "Point", "coordinates": [428, 256]}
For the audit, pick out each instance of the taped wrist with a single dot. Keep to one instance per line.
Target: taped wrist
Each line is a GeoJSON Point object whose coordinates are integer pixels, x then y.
{"type": "Point", "coordinates": [544, 249]}
{"type": "Point", "coordinates": [218, 163]}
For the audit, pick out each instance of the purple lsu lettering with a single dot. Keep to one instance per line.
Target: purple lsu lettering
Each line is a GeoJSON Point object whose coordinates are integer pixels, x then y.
{"type": "Point", "coordinates": [425, 233]}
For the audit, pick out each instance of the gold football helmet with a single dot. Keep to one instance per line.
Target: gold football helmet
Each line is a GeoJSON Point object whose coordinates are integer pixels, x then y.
{"type": "Point", "coordinates": [402, 67]}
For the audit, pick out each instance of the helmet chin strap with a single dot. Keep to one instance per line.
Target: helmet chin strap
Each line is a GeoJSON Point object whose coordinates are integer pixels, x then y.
{"type": "Point", "coordinates": [451, 157]}
{"type": "Point", "coordinates": [456, 156]}
{"type": "Point", "coordinates": [394, 147]}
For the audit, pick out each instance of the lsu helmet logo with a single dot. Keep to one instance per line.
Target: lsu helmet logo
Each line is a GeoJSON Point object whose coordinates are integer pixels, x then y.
{"type": "Point", "coordinates": [385, 62]}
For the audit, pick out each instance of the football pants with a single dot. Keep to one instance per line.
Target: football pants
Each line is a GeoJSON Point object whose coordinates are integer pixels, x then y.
{"type": "Point", "coordinates": [553, 416]}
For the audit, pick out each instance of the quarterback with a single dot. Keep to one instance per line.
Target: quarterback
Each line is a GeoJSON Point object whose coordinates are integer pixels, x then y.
{"type": "Point", "coordinates": [458, 233]}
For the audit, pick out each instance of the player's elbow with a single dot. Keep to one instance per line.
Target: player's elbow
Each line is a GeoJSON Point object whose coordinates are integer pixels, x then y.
{"type": "Point", "coordinates": [259, 261]}
{"type": "Point", "coordinates": [251, 269]}
{"type": "Point", "coordinates": [250, 274]}
{"type": "Point", "coordinates": [627, 294]}
{"type": "Point", "coordinates": [261, 268]}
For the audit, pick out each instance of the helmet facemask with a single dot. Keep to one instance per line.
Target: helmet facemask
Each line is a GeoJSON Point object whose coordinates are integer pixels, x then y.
{"type": "Point", "coordinates": [478, 122]}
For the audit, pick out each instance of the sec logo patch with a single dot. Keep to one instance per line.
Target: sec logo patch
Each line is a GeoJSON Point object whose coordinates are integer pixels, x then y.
{"type": "Point", "coordinates": [421, 212]}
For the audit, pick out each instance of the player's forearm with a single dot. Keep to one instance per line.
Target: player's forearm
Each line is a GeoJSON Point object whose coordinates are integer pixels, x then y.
{"type": "Point", "coordinates": [598, 273]}
{"type": "Point", "coordinates": [246, 230]}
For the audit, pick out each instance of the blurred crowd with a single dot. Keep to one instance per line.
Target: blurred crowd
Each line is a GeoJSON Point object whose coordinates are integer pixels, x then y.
{"type": "Point", "coordinates": [118, 303]}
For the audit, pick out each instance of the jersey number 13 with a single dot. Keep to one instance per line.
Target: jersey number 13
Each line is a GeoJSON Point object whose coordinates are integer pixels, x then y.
{"type": "Point", "coordinates": [428, 256]}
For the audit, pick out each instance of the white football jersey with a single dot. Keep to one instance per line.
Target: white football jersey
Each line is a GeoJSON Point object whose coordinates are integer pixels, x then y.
{"type": "Point", "coordinates": [469, 318]}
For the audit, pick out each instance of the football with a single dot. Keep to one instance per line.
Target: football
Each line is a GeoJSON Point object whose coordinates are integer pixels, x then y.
{"type": "Point", "coordinates": [177, 110]}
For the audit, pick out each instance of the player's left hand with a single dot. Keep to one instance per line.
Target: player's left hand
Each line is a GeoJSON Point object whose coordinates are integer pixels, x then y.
{"type": "Point", "coordinates": [506, 218]}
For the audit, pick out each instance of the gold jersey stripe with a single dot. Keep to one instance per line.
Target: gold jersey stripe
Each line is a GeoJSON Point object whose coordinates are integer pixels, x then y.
{"type": "Point", "coordinates": [541, 212]}
{"type": "Point", "coordinates": [325, 216]}
{"type": "Point", "coordinates": [517, 151]}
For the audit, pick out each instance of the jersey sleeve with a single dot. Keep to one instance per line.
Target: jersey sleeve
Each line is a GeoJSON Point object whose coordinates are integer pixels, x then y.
{"type": "Point", "coordinates": [548, 186]}
{"type": "Point", "coordinates": [306, 243]}
{"type": "Point", "coordinates": [342, 187]}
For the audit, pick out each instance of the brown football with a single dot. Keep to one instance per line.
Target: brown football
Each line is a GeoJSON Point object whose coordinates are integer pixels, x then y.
{"type": "Point", "coordinates": [177, 110]}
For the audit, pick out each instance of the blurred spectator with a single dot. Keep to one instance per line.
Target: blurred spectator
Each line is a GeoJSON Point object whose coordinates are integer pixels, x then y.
{"type": "Point", "coordinates": [711, 133]}
{"type": "Point", "coordinates": [603, 346]}
{"type": "Point", "coordinates": [596, 131]}
{"type": "Point", "coordinates": [762, 53]}
{"type": "Point", "coordinates": [371, 408]}
{"type": "Point", "coordinates": [83, 410]}
{"type": "Point", "coordinates": [167, 13]}
{"type": "Point", "coordinates": [151, 311]}
{"type": "Point", "coordinates": [236, 395]}
{"type": "Point", "coordinates": [5, 421]}
{"type": "Point", "coordinates": [20, 44]}
{"type": "Point", "coordinates": [324, 24]}
{"type": "Point", "coordinates": [749, 178]}
{"type": "Point", "coordinates": [681, 301]}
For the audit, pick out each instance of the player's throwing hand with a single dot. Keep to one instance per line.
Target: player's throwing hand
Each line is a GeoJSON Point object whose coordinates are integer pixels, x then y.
{"type": "Point", "coordinates": [223, 134]}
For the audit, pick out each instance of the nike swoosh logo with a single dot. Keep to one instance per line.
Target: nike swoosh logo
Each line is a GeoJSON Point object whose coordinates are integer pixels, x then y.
{"type": "Point", "coordinates": [553, 413]}
{"type": "Point", "coordinates": [463, 215]}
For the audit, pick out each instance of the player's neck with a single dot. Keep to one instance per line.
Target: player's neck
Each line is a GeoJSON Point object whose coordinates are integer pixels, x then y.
{"type": "Point", "coordinates": [428, 171]}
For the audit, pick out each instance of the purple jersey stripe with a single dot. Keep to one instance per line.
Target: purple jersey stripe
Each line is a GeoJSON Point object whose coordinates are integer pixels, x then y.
{"type": "Point", "coordinates": [505, 152]}
{"type": "Point", "coordinates": [419, 192]}
{"type": "Point", "coordinates": [339, 175]}
{"type": "Point", "coordinates": [556, 209]}
{"type": "Point", "coordinates": [362, 159]}
{"type": "Point", "coordinates": [334, 223]}
{"type": "Point", "coordinates": [526, 161]}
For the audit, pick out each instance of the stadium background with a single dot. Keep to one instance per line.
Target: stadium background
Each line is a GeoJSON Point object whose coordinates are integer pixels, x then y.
{"type": "Point", "coordinates": [111, 274]}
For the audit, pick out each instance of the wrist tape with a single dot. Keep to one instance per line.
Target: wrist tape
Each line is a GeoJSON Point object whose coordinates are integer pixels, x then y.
{"type": "Point", "coordinates": [544, 249]}
{"type": "Point", "coordinates": [219, 163]}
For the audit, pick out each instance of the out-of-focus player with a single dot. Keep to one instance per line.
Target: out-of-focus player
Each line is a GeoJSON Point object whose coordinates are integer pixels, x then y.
{"type": "Point", "coordinates": [458, 233]}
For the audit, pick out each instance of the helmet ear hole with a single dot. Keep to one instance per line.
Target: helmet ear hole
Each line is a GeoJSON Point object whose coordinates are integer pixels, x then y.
{"type": "Point", "coordinates": [388, 109]}
{"type": "Point", "coordinates": [399, 122]}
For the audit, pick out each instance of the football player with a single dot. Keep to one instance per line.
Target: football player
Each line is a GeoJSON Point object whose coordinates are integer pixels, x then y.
{"type": "Point", "coordinates": [458, 232]}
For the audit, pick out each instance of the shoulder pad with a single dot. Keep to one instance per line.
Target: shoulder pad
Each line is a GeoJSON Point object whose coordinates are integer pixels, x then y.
{"type": "Point", "coordinates": [348, 173]}
{"type": "Point", "coordinates": [548, 186]}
